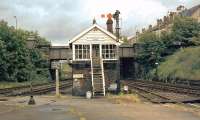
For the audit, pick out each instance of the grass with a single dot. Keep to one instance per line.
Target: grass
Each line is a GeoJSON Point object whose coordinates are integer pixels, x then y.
{"type": "Point", "coordinates": [17, 84]}
{"type": "Point", "coordinates": [124, 98]}
{"type": "Point", "coordinates": [184, 64]}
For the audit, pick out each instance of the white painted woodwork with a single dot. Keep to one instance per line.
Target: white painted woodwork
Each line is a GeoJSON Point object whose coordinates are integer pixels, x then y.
{"type": "Point", "coordinates": [91, 65]}
{"type": "Point", "coordinates": [73, 51]}
{"type": "Point", "coordinates": [94, 35]}
{"type": "Point", "coordinates": [103, 77]}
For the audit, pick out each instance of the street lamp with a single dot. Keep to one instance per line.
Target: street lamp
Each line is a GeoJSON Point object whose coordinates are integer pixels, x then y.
{"type": "Point", "coordinates": [15, 22]}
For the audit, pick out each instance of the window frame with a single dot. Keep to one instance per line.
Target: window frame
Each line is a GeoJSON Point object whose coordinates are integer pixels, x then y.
{"type": "Point", "coordinates": [82, 51]}
{"type": "Point", "coordinates": [109, 51]}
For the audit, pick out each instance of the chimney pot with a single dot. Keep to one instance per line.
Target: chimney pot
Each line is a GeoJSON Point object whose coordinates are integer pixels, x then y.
{"type": "Point", "coordinates": [110, 25]}
{"type": "Point", "coordinates": [94, 21]}
{"type": "Point", "coordinates": [143, 30]}
{"type": "Point", "coordinates": [150, 27]}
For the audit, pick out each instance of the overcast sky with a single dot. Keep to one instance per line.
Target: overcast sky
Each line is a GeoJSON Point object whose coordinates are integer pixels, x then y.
{"type": "Point", "coordinates": [60, 20]}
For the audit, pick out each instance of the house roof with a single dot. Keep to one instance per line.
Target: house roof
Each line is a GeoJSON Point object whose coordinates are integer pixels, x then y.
{"type": "Point", "coordinates": [190, 11]}
{"type": "Point", "coordinates": [131, 37]}
{"type": "Point", "coordinates": [89, 29]}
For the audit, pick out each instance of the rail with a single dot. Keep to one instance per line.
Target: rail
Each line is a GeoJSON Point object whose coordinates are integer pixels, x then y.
{"type": "Point", "coordinates": [36, 89]}
{"type": "Point", "coordinates": [103, 77]}
{"type": "Point", "coordinates": [162, 93]}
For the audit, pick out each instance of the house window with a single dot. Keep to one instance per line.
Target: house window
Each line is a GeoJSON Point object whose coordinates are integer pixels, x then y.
{"type": "Point", "coordinates": [82, 51]}
{"type": "Point", "coordinates": [109, 51]}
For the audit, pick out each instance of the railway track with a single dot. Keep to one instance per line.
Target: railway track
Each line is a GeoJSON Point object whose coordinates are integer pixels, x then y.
{"type": "Point", "coordinates": [38, 89]}
{"type": "Point", "coordinates": [165, 93]}
{"type": "Point", "coordinates": [149, 95]}
{"type": "Point", "coordinates": [189, 90]}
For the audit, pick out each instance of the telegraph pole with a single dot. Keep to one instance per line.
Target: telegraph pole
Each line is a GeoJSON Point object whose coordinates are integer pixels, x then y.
{"type": "Point", "coordinates": [16, 22]}
{"type": "Point", "coordinates": [116, 17]}
{"type": "Point", "coordinates": [57, 83]}
{"type": "Point", "coordinates": [55, 66]}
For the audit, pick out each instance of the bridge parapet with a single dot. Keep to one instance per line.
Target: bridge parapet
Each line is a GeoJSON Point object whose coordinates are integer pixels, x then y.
{"type": "Point", "coordinates": [60, 53]}
{"type": "Point", "coordinates": [127, 51]}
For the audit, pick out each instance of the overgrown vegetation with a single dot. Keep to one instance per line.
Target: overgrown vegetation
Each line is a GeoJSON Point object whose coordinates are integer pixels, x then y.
{"type": "Point", "coordinates": [184, 65]}
{"type": "Point", "coordinates": [18, 84]}
{"type": "Point", "coordinates": [124, 98]}
{"type": "Point", "coordinates": [155, 48]}
{"type": "Point", "coordinates": [18, 63]}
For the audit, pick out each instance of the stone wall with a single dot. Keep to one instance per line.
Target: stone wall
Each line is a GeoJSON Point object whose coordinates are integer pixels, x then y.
{"type": "Point", "coordinates": [111, 73]}
{"type": "Point", "coordinates": [81, 79]}
{"type": "Point", "coordinates": [196, 15]}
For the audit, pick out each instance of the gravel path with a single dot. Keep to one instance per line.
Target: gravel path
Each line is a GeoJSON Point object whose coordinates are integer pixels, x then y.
{"type": "Point", "coordinates": [77, 108]}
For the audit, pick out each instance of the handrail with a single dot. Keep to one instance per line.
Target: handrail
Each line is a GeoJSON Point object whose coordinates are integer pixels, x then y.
{"type": "Point", "coordinates": [92, 72]}
{"type": "Point", "coordinates": [103, 77]}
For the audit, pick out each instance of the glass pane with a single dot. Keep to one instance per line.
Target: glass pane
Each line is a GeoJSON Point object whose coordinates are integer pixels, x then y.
{"type": "Point", "coordinates": [107, 51]}
{"type": "Point", "coordinates": [103, 56]}
{"type": "Point", "coordinates": [76, 56]}
{"type": "Point", "coordinates": [111, 51]}
{"type": "Point", "coordinates": [111, 46]}
{"type": "Point", "coordinates": [107, 47]}
{"type": "Point", "coordinates": [88, 47]}
{"type": "Point", "coordinates": [103, 46]}
{"type": "Point", "coordinates": [79, 56]}
{"type": "Point", "coordinates": [80, 47]}
{"type": "Point", "coordinates": [107, 56]}
{"type": "Point", "coordinates": [84, 56]}
{"type": "Point", "coordinates": [111, 56]}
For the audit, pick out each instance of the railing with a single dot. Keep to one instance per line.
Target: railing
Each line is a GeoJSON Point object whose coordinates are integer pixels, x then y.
{"type": "Point", "coordinates": [103, 77]}
{"type": "Point", "coordinates": [92, 75]}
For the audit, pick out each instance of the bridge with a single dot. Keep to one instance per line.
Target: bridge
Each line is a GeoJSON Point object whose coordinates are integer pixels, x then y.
{"type": "Point", "coordinates": [56, 53]}
{"type": "Point", "coordinates": [127, 54]}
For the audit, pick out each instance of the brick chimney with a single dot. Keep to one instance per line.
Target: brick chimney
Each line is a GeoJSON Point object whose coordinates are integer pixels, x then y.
{"type": "Point", "coordinates": [143, 30]}
{"type": "Point", "coordinates": [150, 27]}
{"type": "Point", "coordinates": [110, 25]}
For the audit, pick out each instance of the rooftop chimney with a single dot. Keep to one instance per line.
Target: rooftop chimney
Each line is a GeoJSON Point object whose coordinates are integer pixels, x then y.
{"type": "Point", "coordinates": [94, 21]}
{"type": "Point", "coordinates": [143, 30]}
{"type": "Point", "coordinates": [150, 27]}
{"type": "Point", "coordinates": [110, 25]}
{"type": "Point", "coordinates": [137, 33]}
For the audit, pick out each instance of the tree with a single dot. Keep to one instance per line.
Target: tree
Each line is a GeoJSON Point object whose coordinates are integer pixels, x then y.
{"type": "Point", "coordinates": [154, 49]}
{"type": "Point", "coordinates": [184, 29]}
{"type": "Point", "coordinates": [17, 62]}
{"type": "Point", "coordinates": [151, 50]}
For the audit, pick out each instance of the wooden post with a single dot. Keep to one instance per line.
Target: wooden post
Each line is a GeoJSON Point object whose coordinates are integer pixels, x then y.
{"type": "Point", "coordinates": [57, 83]}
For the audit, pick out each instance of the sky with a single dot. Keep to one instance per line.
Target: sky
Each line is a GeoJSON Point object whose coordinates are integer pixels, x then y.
{"type": "Point", "coordinates": [60, 20]}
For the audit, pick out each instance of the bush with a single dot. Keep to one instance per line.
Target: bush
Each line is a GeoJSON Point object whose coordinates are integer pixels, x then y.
{"type": "Point", "coordinates": [184, 32]}
{"type": "Point", "coordinates": [18, 63]}
{"type": "Point", "coordinates": [184, 64]}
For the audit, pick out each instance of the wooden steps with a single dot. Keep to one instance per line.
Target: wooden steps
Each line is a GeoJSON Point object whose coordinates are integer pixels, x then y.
{"type": "Point", "coordinates": [98, 82]}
